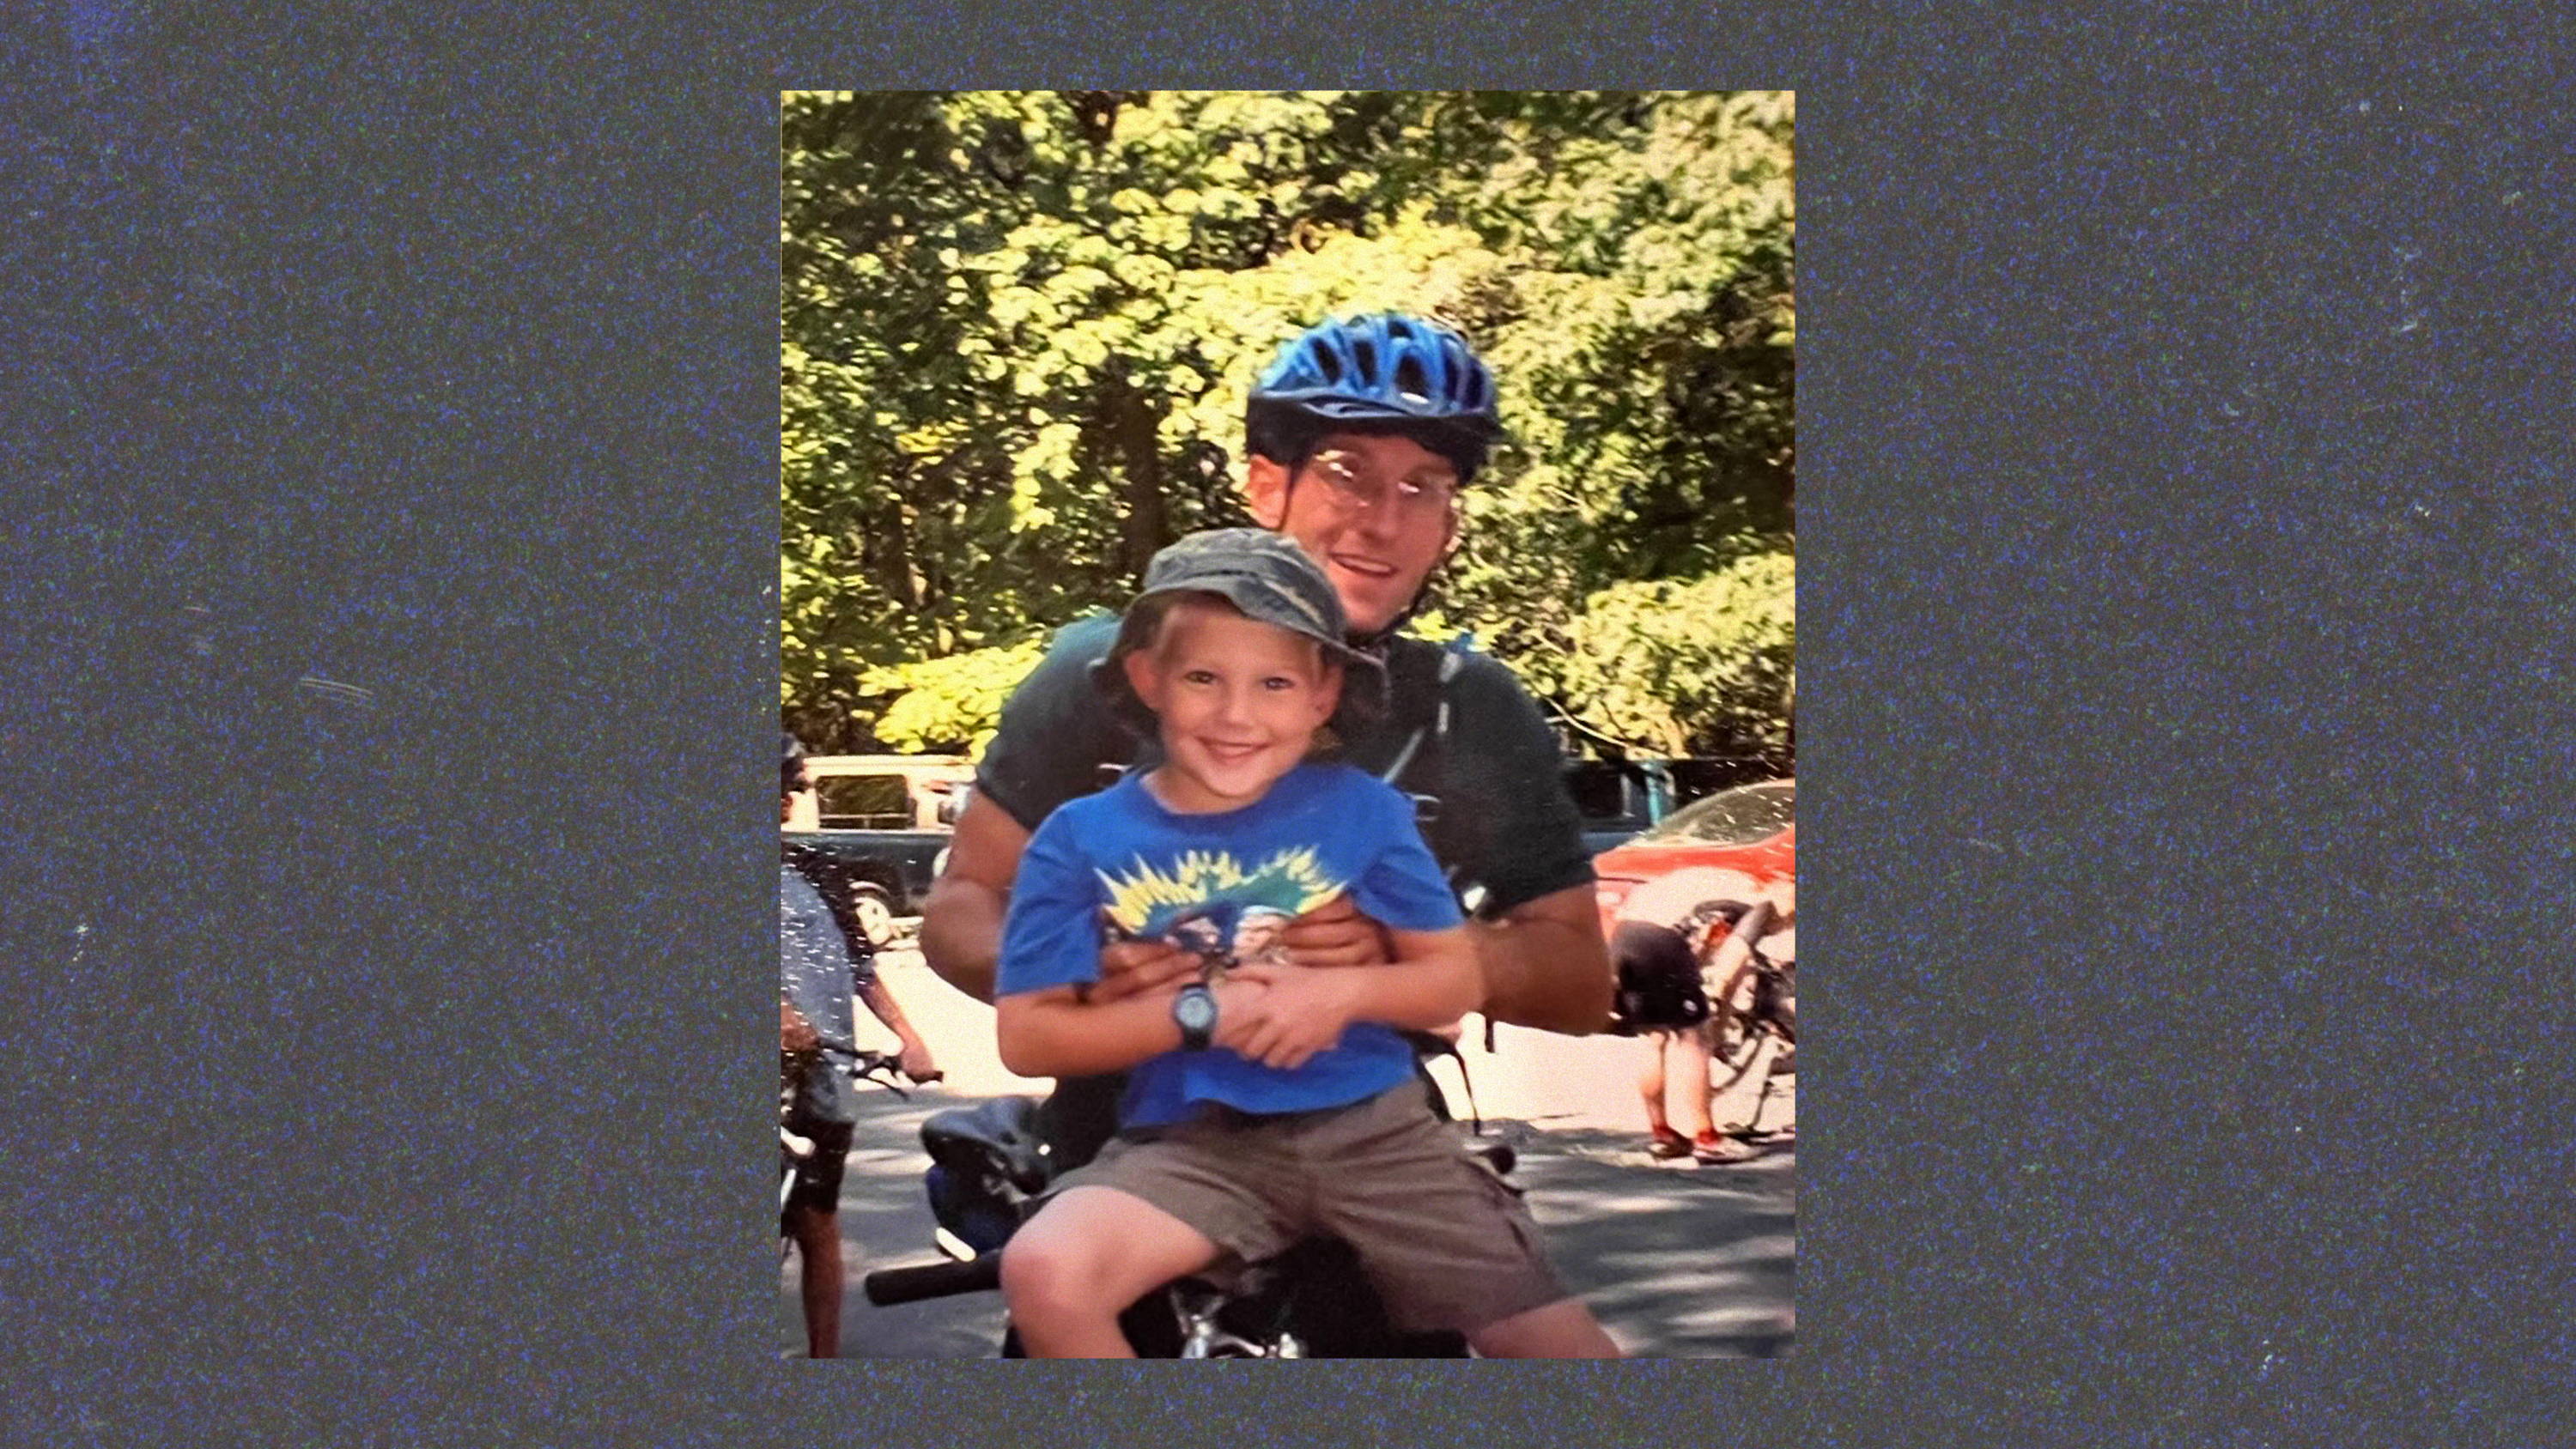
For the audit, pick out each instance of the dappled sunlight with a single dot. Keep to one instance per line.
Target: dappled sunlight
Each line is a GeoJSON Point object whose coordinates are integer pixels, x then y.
{"type": "Point", "coordinates": [1676, 1260]}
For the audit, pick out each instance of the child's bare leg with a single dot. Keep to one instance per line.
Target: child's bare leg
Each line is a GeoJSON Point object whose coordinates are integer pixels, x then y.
{"type": "Point", "coordinates": [1070, 1271]}
{"type": "Point", "coordinates": [1690, 1048]}
{"type": "Point", "coordinates": [1650, 1083]}
{"type": "Point", "coordinates": [1564, 1329]}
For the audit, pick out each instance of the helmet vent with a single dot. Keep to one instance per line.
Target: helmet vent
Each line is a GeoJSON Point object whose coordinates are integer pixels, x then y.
{"type": "Point", "coordinates": [1409, 381]}
{"type": "Point", "coordinates": [1387, 369]}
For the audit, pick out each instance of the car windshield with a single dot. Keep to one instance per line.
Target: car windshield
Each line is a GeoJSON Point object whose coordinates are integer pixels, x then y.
{"type": "Point", "coordinates": [1731, 817]}
{"type": "Point", "coordinates": [864, 802]}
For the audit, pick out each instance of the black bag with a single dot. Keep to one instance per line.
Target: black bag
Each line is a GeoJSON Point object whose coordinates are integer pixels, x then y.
{"type": "Point", "coordinates": [1657, 1000]}
{"type": "Point", "coordinates": [1659, 975]}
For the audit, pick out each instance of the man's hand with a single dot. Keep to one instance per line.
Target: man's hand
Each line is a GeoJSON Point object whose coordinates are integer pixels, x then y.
{"type": "Point", "coordinates": [796, 1035]}
{"type": "Point", "coordinates": [913, 1060]}
{"type": "Point", "coordinates": [1543, 964]}
{"type": "Point", "coordinates": [1133, 968]}
{"type": "Point", "coordinates": [1336, 934]}
{"type": "Point", "coordinates": [1298, 1012]}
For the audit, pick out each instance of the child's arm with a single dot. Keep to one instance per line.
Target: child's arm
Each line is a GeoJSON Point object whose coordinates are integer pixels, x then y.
{"type": "Point", "coordinates": [1431, 977]}
{"type": "Point", "coordinates": [1304, 1009]}
{"type": "Point", "coordinates": [1051, 956]}
{"type": "Point", "coordinates": [1050, 1033]}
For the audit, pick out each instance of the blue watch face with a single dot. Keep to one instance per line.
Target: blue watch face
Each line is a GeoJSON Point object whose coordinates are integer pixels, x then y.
{"type": "Point", "coordinates": [1194, 1009]}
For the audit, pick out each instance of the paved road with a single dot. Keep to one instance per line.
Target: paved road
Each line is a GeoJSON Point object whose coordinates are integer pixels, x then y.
{"type": "Point", "coordinates": [1676, 1260]}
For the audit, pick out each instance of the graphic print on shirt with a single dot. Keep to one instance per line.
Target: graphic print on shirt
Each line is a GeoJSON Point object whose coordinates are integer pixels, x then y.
{"type": "Point", "coordinates": [1207, 903]}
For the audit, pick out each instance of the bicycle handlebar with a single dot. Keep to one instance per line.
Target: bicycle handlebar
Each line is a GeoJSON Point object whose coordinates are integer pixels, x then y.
{"type": "Point", "coordinates": [889, 1286]}
{"type": "Point", "coordinates": [875, 1066]}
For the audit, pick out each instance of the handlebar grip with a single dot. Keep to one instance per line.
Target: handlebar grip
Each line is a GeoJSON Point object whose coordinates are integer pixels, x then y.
{"type": "Point", "coordinates": [888, 1286]}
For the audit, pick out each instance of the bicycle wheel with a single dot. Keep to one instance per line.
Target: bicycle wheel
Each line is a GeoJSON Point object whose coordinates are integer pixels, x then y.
{"type": "Point", "coordinates": [1735, 1028]}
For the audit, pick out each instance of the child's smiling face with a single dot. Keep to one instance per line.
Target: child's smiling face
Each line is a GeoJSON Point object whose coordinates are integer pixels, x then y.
{"type": "Point", "coordinates": [1238, 703]}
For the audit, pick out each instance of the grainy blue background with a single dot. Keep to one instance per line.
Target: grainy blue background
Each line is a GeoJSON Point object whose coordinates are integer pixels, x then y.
{"type": "Point", "coordinates": [2185, 615]}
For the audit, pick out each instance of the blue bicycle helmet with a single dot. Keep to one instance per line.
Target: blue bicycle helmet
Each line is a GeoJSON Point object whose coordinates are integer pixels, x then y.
{"type": "Point", "coordinates": [1382, 372]}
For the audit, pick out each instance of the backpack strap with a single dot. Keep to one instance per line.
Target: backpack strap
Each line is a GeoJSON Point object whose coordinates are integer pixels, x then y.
{"type": "Point", "coordinates": [1426, 1046]}
{"type": "Point", "coordinates": [1418, 680]}
{"type": "Point", "coordinates": [1419, 675]}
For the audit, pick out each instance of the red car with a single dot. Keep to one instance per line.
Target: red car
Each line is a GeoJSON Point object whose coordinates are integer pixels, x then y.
{"type": "Point", "coordinates": [1751, 828]}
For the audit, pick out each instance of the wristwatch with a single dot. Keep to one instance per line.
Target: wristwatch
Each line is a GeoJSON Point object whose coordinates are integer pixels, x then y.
{"type": "Point", "coordinates": [1195, 1012]}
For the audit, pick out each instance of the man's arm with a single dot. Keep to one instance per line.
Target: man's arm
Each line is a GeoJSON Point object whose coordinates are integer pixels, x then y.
{"type": "Point", "coordinates": [1545, 964]}
{"type": "Point", "coordinates": [914, 1054]}
{"type": "Point", "coordinates": [1053, 738]}
{"type": "Point", "coordinates": [1542, 965]}
{"type": "Point", "coordinates": [961, 918]}
{"type": "Point", "coordinates": [795, 1033]}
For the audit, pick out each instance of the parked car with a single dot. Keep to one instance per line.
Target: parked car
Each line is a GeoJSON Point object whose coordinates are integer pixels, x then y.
{"type": "Point", "coordinates": [883, 792]}
{"type": "Point", "coordinates": [1751, 828]}
{"type": "Point", "coordinates": [876, 832]}
{"type": "Point", "coordinates": [1618, 798]}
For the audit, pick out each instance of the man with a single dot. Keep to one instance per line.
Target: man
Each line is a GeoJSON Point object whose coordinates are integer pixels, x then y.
{"type": "Point", "coordinates": [1359, 437]}
{"type": "Point", "coordinates": [1238, 1142]}
{"type": "Point", "coordinates": [819, 967]}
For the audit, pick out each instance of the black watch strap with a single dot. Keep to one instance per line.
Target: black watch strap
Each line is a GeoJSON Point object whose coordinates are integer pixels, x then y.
{"type": "Point", "coordinates": [1194, 1011]}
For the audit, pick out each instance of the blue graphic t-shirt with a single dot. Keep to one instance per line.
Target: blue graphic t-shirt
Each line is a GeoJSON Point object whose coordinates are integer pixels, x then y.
{"type": "Point", "coordinates": [1118, 865]}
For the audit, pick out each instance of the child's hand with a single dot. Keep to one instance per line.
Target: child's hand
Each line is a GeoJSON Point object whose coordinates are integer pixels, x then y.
{"type": "Point", "coordinates": [1299, 1011]}
{"type": "Point", "coordinates": [1236, 992]}
{"type": "Point", "coordinates": [1133, 968]}
{"type": "Point", "coordinates": [1336, 934]}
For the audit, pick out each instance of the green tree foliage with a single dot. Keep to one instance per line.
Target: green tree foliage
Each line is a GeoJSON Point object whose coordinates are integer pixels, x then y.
{"type": "Point", "coordinates": [1672, 663]}
{"type": "Point", "coordinates": [939, 703]}
{"type": "Point", "coordinates": [1019, 328]}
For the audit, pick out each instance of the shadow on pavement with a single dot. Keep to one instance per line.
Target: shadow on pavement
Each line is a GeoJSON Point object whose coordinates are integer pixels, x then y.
{"type": "Point", "coordinates": [1678, 1261]}
{"type": "Point", "coordinates": [886, 1221]}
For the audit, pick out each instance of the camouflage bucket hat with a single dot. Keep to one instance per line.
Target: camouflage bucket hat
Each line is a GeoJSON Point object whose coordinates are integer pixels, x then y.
{"type": "Point", "coordinates": [1270, 579]}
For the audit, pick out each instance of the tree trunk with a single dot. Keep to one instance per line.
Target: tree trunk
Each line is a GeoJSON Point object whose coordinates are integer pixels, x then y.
{"type": "Point", "coordinates": [1144, 526]}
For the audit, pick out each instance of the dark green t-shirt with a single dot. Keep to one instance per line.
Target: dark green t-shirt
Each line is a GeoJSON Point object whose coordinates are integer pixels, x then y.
{"type": "Point", "coordinates": [1504, 820]}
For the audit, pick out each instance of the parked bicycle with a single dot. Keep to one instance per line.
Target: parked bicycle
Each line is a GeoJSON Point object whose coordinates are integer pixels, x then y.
{"type": "Point", "coordinates": [876, 1068]}
{"type": "Point", "coordinates": [1757, 1003]}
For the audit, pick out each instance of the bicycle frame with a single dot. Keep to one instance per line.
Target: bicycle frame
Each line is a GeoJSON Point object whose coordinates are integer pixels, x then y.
{"type": "Point", "coordinates": [1757, 1001]}
{"type": "Point", "coordinates": [872, 1067]}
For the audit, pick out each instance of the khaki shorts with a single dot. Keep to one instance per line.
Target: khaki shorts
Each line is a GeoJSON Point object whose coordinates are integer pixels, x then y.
{"type": "Point", "coordinates": [1447, 1243]}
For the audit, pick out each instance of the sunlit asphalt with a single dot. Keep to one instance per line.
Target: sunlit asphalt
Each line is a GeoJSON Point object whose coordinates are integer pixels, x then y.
{"type": "Point", "coordinates": [1677, 1260]}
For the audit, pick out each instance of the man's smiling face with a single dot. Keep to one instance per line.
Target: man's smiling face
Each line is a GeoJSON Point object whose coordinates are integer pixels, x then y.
{"type": "Point", "coordinates": [1379, 513]}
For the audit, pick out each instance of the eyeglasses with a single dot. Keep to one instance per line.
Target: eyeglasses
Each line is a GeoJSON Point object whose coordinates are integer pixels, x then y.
{"type": "Point", "coordinates": [1416, 495]}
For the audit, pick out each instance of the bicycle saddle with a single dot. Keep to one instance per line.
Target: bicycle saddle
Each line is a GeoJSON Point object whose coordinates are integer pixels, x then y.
{"type": "Point", "coordinates": [1000, 1133]}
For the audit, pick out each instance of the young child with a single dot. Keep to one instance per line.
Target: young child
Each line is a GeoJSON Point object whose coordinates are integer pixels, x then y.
{"type": "Point", "coordinates": [1266, 1101]}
